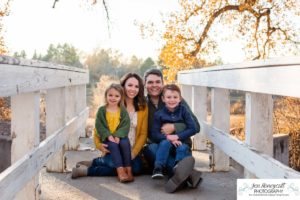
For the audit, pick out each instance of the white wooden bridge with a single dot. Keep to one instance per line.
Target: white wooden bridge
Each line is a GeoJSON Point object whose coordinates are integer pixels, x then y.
{"type": "Point", "coordinates": [66, 113]}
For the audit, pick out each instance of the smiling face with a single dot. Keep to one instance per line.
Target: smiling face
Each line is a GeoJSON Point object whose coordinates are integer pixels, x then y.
{"type": "Point", "coordinates": [153, 85]}
{"type": "Point", "coordinates": [131, 88]}
{"type": "Point", "coordinates": [113, 97]}
{"type": "Point", "coordinates": [171, 98]}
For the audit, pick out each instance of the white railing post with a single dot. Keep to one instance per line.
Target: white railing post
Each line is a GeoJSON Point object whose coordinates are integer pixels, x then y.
{"type": "Point", "coordinates": [70, 109]}
{"type": "Point", "coordinates": [259, 121]}
{"type": "Point", "coordinates": [81, 105]}
{"type": "Point", "coordinates": [220, 103]}
{"type": "Point", "coordinates": [199, 106]}
{"type": "Point", "coordinates": [25, 132]}
{"type": "Point", "coordinates": [55, 119]}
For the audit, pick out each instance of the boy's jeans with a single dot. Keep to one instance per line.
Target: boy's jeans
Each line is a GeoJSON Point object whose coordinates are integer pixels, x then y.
{"type": "Point", "coordinates": [167, 157]}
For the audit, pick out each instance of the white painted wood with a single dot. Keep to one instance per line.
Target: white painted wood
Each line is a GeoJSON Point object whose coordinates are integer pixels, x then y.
{"type": "Point", "coordinates": [70, 109]}
{"type": "Point", "coordinates": [261, 165]}
{"type": "Point", "coordinates": [220, 103]}
{"type": "Point", "coordinates": [277, 80]}
{"type": "Point", "coordinates": [55, 118]}
{"type": "Point", "coordinates": [186, 92]}
{"type": "Point", "coordinates": [25, 133]}
{"type": "Point", "coordinates": [80, 105]}
{"type": "Point", "coordinates": [199, 106]}
{"type": "Point", "coordinates": [17, 175]}
{"type": "Point", "coordinates": [259, 123]}
{"type": "Point", "coordinates": [273, 62]}
{"type": "Point", "coordinates": [15, 79]}
{"type": "Point", "coordinates": [37, 63]}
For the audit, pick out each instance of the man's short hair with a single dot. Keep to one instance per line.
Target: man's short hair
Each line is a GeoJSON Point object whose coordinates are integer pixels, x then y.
{"type": "Point", "coordinates": [153, 71]}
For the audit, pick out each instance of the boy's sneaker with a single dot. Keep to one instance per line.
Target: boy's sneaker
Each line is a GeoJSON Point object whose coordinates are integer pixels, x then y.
{"type": "Point", "coordinates": [157, 173]}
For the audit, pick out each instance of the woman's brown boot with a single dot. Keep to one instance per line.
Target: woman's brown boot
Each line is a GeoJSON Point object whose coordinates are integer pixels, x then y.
{"type": "Point", "coordinates": [122, 175]}
{"type": "Point", "coordinates": [129, 173]}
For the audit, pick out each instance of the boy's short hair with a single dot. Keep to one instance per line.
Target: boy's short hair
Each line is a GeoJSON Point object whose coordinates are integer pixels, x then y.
{"type": "Point", "coordinates": [172, 87]}
{"type": "Point", "coordinates": [153, 71]}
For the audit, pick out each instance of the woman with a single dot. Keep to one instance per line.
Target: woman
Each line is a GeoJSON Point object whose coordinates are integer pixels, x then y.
{"type": "Point", "coordinates": [137, 109]}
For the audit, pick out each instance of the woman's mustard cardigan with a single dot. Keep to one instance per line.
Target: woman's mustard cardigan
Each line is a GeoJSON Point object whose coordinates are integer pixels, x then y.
{"type": "Point", "coordinates": [141, 132]}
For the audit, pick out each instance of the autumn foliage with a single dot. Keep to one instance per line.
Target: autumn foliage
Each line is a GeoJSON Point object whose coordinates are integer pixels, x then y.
{"type": "Point", "coordinates": [5, 112]}
{"type": "Point", "coordinates": [4, 11]}
{"type": "Point", "coordinates": [192, 35]}
{"type": "Point", "coordinates": [287, 120]}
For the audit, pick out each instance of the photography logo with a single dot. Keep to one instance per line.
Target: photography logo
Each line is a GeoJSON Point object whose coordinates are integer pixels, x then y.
{"type": "Point", "coordinates": [265, 189]}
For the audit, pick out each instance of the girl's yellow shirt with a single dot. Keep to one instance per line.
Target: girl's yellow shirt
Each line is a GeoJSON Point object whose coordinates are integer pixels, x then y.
{"type": "Point", "coordinates": [113, 120]}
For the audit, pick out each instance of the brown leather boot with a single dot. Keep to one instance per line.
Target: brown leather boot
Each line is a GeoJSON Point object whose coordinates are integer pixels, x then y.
{"type": "Point", "coordinates": [129, 173]}
{"type": "Point", "coordinates": [87, 163]}
{"type": "Point", "coordinates": [122, 175]}
{"type": "Point", "coordinates": [79, 172]}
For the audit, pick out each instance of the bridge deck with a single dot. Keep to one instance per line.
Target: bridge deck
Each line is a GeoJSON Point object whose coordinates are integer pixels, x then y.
{"type": "Point", "coordinates": [220, 185]}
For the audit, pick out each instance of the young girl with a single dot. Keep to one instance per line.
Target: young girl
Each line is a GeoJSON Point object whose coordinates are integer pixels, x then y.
{"type": "Point", "coordinates": [112, 125]}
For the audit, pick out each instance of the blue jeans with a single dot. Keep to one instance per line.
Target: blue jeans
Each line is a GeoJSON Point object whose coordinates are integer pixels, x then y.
{"type": "Point", "coordinates": [149, 152]}
{"type": "Point", "coordinates": [104, 166]}
{"type": "Point", "coordinates": [175, 155]}
{"type": "Point", "coordinates": [121, 153]}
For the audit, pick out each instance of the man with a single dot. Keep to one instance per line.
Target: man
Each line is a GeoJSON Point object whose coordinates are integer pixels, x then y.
{"type": "Point", "coordinates": [181, 173]}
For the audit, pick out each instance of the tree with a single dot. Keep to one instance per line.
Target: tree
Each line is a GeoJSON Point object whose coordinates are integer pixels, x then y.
{"type": "Point", "coordinates": [4, 11]}
{"type": "Point", "coordinates": [266, 28]}
{"type": "Point", "coordinates": [22, 54]}
{"type": "Point", "coordinates": [147, 64]}
{"type": "Point", "coordinates": [64, 54]}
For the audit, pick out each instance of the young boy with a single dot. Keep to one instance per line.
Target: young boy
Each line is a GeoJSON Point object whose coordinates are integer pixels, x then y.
{"type": "Point", "coordinates": [172, 112]}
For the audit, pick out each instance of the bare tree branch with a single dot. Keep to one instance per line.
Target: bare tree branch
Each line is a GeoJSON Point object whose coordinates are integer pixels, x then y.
{"type": "Point", "coordinates": [54, 3]}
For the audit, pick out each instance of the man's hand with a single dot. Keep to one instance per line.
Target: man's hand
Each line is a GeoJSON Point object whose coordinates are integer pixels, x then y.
{"type": "Point", "coordinates": [167, 129]}
{"type": "Point", "coordinates": [176, 143]}
{"type": "Point", "coordinates": [172, 137]}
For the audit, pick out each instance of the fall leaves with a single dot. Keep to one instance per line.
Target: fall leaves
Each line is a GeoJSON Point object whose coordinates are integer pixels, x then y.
{"type": "Point", "coordinates": [192, 34]}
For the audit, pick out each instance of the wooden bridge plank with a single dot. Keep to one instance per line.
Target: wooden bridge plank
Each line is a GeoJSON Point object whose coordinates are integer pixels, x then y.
{"type": "Point", "coordinates": [261, 165]}
{"type": "Point", "coordinates": [15, 79]}
{"type": "Point", "coordinates": [16, 176]}
{"type": "Point", "coordinates": [276, 80]}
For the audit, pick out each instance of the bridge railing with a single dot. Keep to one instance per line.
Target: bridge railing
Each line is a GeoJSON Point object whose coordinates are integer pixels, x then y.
{"type": "Point", "coordinates": [260, 80]}
{"type": "Point", "coordinates": [64, 90]}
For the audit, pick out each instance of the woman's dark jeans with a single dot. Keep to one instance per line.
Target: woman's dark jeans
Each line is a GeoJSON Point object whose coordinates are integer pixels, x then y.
{"type": "Point", "coordinates": [104, 166]}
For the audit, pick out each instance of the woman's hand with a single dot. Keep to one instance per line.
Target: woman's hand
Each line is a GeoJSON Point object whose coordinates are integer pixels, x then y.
{"type": "Point", "coordinates": [167, 129]}
{"type": "Point", "coordinates": [103, 149]}
{"type": "Point", "coordinates": [117, 140]}
{"type": "Point", "coordinates": [132, 156]}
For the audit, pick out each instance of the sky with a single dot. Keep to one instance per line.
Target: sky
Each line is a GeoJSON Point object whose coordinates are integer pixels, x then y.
{"type": "Point", "coordinates": [34, 25]}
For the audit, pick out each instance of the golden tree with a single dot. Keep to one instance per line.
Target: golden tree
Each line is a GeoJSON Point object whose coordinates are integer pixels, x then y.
{"type": "Point", "coordinates": [193, 33]}
{"type": "Point", "coordinates": [4, 11]}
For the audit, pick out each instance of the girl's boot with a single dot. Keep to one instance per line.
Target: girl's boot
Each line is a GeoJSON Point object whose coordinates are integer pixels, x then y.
{"type": "Point", "coordinates": [79, 172]}
{"type": "Point", "coordinates": [122, 175]}
{"type": "Point", "coordinates": [129, 173]}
